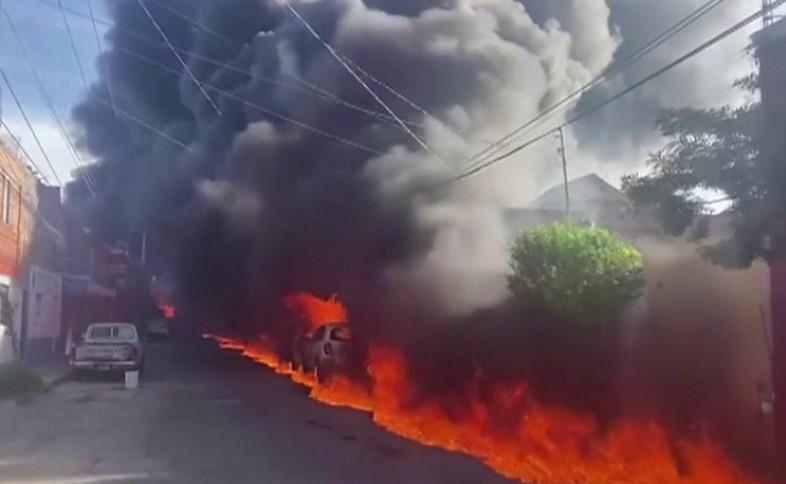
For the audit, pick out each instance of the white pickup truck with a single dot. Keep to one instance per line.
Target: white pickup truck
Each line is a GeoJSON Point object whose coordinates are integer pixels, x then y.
{"type": "Point", "coordinates": [109, 347]}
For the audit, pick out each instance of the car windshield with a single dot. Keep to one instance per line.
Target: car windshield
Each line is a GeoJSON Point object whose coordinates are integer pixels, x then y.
{"type": "Point", "coordinates": [100, 332]}
{"type": "Point", "coordinates": [124, 333]}
{"type": "Point", "coordinates": [342, 333]}
{"type": "Point", "coordinates": [116, 332]}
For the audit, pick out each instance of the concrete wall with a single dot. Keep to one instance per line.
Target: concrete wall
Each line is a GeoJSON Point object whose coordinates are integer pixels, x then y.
{"type": "Point", "coordinates": [6, 346]}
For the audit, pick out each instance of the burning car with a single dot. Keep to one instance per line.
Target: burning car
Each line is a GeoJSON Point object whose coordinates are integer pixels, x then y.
{"type": "Point", "coordinates": [108, 347]}
{"type": "Point", "coordinates": [327, 350]}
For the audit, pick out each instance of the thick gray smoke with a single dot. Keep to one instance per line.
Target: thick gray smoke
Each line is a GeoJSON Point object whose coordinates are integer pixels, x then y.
{"type": "Point", "coordinates": [619, 131]}
{"type": "Point", "coordinates": [288, 190]}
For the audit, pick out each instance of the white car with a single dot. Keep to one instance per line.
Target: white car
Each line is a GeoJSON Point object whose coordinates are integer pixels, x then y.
{"type": "Point", "coordinates": [326, 350]}
{"type": "Point", "coordinates": [109, 347]}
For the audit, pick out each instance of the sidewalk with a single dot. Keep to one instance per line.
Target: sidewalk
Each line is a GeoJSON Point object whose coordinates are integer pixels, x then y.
{"type": "Point", "coordinates": [52, 371]}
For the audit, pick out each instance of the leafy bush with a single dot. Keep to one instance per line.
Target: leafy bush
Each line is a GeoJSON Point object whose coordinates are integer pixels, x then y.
{"type": "Point", "coordinates": [581, 274]}
{"type": "Point", "coordinates": [16, 379]}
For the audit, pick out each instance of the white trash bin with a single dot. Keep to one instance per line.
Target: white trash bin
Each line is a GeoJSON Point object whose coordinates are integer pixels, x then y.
{"type": "Point", "coordinates": [132, 380]}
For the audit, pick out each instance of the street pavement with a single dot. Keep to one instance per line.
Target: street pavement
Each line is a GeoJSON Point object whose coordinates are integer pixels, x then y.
{"type": "Point", "coordinates": [203, 415]}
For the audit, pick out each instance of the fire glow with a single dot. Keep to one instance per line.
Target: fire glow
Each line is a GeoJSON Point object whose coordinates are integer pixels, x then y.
{"type": "Point", "coordinates": [167, 310]}
{"type": "Point", "coordinates": [315, 311]}
{"type": "Point", "coordinates": [537, 444]}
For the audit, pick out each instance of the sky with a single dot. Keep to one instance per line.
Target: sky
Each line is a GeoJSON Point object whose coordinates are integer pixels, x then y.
{"type": "Point", "coordinates": [45, 37]}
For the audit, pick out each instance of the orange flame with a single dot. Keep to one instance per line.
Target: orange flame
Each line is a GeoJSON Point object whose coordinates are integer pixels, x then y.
{"type": "Point", "coordinates": [538, 443]}
{"type": "Point", "coordinates": [167, 310]}
{"type": "Point", "coordinates": [315, 311]}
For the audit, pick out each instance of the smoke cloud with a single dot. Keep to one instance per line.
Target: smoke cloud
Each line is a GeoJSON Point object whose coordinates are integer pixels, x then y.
{"type": "Point", "coordinates": [288, 191]}
{"type": "Point", "coordinates": [294, 189]}
{"type": "Point", "coordinates": [625, 129]}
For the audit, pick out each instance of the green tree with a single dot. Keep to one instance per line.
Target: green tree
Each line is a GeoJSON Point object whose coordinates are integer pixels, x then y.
{"type": "Point", "coordinates": [581, 274]}
{"type": "Point", "coordinates": [722, 150]}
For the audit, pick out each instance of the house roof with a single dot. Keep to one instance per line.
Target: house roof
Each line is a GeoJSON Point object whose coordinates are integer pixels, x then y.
{"type": "Point", "coordinates": [587, 191]}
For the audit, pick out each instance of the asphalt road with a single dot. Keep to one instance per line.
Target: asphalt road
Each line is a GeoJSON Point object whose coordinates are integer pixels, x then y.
{"type": "Point", "coordinates": [206, 416]}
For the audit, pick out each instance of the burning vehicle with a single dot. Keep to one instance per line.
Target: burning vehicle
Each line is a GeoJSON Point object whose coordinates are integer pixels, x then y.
{"type": "Point", "coordinates": [326, 351]}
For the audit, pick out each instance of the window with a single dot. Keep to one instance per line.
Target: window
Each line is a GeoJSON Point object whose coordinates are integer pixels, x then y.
{"type": "Point", "coordinates": [124, 333]}
{"type": "Point", "coordinates": [116, 332]}
{"type": "Point", "coordinates": [343, 333]}
{"type": "Point", "coordinates": [6, 208]}
{"type": "Point", "coordinates": [319, 334]}
{"type": "Point", "coordinates": [101, 332]}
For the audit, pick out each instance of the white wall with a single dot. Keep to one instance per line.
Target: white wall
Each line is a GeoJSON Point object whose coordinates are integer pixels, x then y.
{"type": "Point", "coordinates": [6, 346]}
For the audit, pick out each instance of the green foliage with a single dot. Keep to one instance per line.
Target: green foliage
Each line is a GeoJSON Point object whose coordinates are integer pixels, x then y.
{"type": "Point", "coordinates": [713, 149]}
{"type": "Point", "coordinates": [581, 274]}
{"type": "Point", "coordinates": [17, 380]}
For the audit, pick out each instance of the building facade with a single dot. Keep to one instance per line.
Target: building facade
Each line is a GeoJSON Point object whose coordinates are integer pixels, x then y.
{"type": "Point", "coordinates": [18, 199]}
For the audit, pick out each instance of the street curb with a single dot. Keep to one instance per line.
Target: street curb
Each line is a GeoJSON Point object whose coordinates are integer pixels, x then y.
{"type": "Point", "coordinates": [56, 381]}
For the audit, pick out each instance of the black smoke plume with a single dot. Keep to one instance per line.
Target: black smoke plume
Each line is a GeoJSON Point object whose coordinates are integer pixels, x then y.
{"type": "Point", "coordinates": [289, 190]}
{"type": "Point", "coordinates": [296, 188]}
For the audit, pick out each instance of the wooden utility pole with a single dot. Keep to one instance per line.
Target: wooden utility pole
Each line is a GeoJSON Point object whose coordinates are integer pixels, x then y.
{"type": "Point", "coordinates": [564, 170]}
{"type": "Point", "coordinates": [768, 18]}
{"type": "Point", "coordinates": [770, 44]}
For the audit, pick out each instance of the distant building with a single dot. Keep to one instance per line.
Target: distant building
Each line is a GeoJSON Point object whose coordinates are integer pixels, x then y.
{"type": "Point", "coordinates": [594, 201]}
{"type": "Point", "coordinates": [30, 253]}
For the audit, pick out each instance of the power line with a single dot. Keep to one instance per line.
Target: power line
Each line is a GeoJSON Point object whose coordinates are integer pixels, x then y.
{"type": "Point", "coordinates": [231, 96]}
{"type": "Point", "coordinates": [117, 110]}
{"type": "Point", "coordinates": [107, 75]}
{"type": "Point", "coordinates": [21, 148]}
{"type": "Point", "coordinates": [319, 90]}
{"type": "Point", "coordinates": [89, 180]}
{"type": "Point", "coordinates": [692, 53]}
{"type": "Point", "coordinates": [142, 123]}
{"type": "Point", "coordinates": [296, 82]}
{"type": "Point", "coordinates": [193, 22]}
{"type": "Point", "coordinates": [179, 58]}
{"type": "Point", "coordinates": [73, 45]}
{"type": "Point", "coordinates": [363, 83]}
{"type": "Point", "coordinates": [388, 88]}
{"type": "Point", "coordinates": [45, 95]}
{"type": "Point", "coordinates": [28, 123]}
{"type": "Point", "coordinates": [32, 208]}
{"type": "Point", "coordinates": [609, 73]}
{"type": "Point", "coordinates": [267, 111]}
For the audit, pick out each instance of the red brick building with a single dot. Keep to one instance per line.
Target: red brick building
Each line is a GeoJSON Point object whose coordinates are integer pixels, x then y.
{"type": "Point", "coordinates": [18, 199]}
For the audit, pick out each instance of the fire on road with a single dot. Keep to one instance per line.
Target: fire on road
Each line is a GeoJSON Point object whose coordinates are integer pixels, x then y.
{"type": "Point", "coordinates": [540, 443]}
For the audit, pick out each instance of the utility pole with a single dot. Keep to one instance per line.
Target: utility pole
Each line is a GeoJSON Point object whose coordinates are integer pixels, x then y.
{"type": "Point", "coordinates": [769, 51]}
{"type": "Point", "coordinates": [768, 18]}
{"type": "Point", "coordinates": [144, 248]}
{"type": "Point", "coordinates": [564, 170]}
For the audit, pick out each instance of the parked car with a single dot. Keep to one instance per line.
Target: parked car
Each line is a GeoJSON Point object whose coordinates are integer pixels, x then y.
{"type": "Point", "coordinates": [157, 328]}
{"type": "Point", "coordinates": [327, 350]}
{"type": "Point", "coordinates": [108, 347]}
